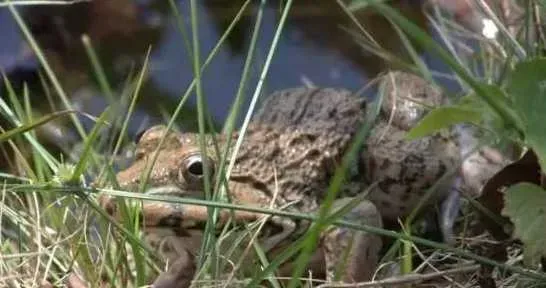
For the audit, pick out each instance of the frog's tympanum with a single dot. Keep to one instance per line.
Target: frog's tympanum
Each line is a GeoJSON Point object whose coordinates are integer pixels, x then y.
{"type": "Point", "coordinates": [286, 161]}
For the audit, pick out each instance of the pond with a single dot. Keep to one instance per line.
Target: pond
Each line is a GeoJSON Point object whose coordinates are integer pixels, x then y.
{"type": "Point", "coordinates": [320, 45]}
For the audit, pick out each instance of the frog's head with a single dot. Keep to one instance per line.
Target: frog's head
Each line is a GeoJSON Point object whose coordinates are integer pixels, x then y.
{"type": "Point", "coordinates": [178, 169]}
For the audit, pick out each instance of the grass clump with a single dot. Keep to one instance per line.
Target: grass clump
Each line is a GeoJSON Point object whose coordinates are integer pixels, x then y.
{"type": "Point", "coordinates": [54, 231]}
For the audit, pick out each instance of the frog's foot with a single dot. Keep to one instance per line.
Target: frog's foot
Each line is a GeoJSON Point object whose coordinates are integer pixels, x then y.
{"type": "Point", "coordinates": [178, 252]}
{"type": "Point", "coordinates": [179, 274]}
{"type": "Point", "coordinates": [353, 253]}
{"type": "Point", "coordinates": [449, 212]}
{"type": "Point", "coordinates": [107, 203]}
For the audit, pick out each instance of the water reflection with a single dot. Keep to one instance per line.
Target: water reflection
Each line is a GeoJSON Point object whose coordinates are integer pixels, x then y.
{"type": "Point", "coordinates": [319, 45]}
{"type": "Point", "coordinates": [316, 45]}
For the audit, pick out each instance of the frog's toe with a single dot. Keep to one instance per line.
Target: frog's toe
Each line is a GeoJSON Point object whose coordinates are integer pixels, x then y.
{"type": "Point", "coordinates": [448, 215]}
{"type": "Point", "coordinates": [107, 203]}
{"type": "Point", "coordinates": [180, 273]}
{"type": "Point", "coordinates": [351, 255]}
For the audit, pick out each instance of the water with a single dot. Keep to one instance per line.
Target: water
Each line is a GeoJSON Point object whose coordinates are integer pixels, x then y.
{"type": "Point", "coordinates": [314, 47]}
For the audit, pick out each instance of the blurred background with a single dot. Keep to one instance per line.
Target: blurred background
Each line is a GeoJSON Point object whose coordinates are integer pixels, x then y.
{"type": "Point", "coordinates": [320, 45]}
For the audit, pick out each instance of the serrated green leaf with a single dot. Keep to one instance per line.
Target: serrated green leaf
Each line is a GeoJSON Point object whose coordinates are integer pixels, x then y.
{"type": "Point", "coordinates": [528, 90]}
{"type": "Point", "coordinates": [525, 204]}
{"type": "Point", "coordinates": [443, 117]}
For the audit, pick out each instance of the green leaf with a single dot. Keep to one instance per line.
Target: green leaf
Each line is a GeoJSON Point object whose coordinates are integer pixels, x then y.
{"type": "Point", "coordinates": [469, 109]}
{"type": "Point", "coordinates": [528, 90]}
{"type": "Point", "coordinates": [491, 120]}
{"type": "Point", "coordinates": [443, 117]}
{"type": "Point", "coordinates": [525, 204]}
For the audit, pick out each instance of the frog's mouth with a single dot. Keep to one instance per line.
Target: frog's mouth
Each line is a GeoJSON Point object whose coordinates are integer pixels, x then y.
{"type": "Point", "coordinates": [174, 191]}
{"type": "Point", "coordinates": [176, 214]}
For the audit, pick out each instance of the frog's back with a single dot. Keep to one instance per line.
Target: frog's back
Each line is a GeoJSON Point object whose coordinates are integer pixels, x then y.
{"type": "Point", "coordinates": [335, 110]}
{"type": "Point", "coordinates": [292, 163]}
{"type": "Point", "coordinates": [405, 169]}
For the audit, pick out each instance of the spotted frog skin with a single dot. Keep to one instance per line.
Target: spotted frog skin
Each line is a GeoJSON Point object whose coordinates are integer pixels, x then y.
{"type": "Point", "coordinates": [286, 169]}
{"type": "Point", "coordinates": [403, 170]}
{"type": "Point", "coordinates": [286, 161]}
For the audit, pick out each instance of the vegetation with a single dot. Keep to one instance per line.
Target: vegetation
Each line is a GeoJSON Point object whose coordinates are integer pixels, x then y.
{"type": "Point", "coordinates": [53, 227]}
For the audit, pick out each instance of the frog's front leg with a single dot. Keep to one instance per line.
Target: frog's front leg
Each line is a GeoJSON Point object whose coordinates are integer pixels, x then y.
{"type": "Point", "coordinates": [181, 270]}
{"type": "Point", "coordinates": [179, 253]}
{"type": "Point", "coordinates": [351, 255]}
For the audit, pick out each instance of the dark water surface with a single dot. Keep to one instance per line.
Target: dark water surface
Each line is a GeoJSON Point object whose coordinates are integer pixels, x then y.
{"type": "Point", "coordinates": [315, 46]}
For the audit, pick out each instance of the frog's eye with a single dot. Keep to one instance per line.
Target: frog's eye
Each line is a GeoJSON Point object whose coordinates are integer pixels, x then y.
{"type": "Point", "coordinates": [193, 169]}
{"type": "Point", "coordinates": [139, 134]}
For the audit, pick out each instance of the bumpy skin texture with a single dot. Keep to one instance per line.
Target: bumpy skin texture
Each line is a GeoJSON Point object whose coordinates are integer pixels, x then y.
{"type": "Point", "coordinates": [403, 169]}
{"type": "Point", "coordinates": [292, 164]}
{"type": "Point", "coordinates": [290, 153]}
{"type": "Point", "coordinates": [314, 110]}
{"type": "Point", "coordinates": [406, 98]}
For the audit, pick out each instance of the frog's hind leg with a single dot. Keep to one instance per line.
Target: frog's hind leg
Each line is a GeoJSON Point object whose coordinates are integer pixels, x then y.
{"type": "Point", "coordinates": [351, 255]}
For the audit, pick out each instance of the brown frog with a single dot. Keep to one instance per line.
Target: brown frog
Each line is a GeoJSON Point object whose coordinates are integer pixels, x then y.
{"type": "Point", "coordinates": [284, 169]}
{"type": "Point", "coordinates": [402, 169]}
{"type": "Point", "coordinates": [286, 161]}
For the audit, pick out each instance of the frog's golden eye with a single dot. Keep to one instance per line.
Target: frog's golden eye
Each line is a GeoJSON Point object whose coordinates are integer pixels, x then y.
{"type": "Point", "coordinates": [193, 169]}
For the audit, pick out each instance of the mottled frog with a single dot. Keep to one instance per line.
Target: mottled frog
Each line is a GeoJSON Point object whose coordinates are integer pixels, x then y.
{"type": "Point", "coordinates": [287, 159]}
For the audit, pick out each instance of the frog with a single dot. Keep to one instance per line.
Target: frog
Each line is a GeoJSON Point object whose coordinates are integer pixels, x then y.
{"type": "Point", "coordinates": [292, 167]}
{"type": "Point", "coordinates": [286, 161]}
{"type": "Point", "coordinates": [402, 169]}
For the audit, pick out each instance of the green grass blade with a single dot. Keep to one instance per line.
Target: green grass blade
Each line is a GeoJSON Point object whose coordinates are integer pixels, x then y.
{"type": "Point", "coordinates": [98, 70]}
{"type": "Point", "coordinates": [237, 103]}
{"type": "Point", "coordinates": [180, 23]}
{"type": "Point", "coordinates": [49, 72]}
{"type": "Point", "coordinates": [429, 44]}
{"type": "Point", "coordinates": [224, 205]}
{"type": "Point", "coordinates": [326, 206]}
{"type": "Point", "coordinates": [261, 80]}
{"type": "Point", "coordinates": [132, 106]}
{"type": "Point", "coordinates": [208, 238]}
{"type": "Point", "coordinates": [41, 121]}
{"type": "Point", "coordinates": [87, 152]}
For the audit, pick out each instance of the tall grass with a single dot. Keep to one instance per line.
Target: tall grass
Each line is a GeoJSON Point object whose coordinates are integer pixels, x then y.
{"type": "Point", "coordinates": [54, 228]}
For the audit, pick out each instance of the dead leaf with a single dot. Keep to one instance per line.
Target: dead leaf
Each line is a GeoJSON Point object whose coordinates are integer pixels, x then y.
{"type": "Point", "coordinates": [525, 169]}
